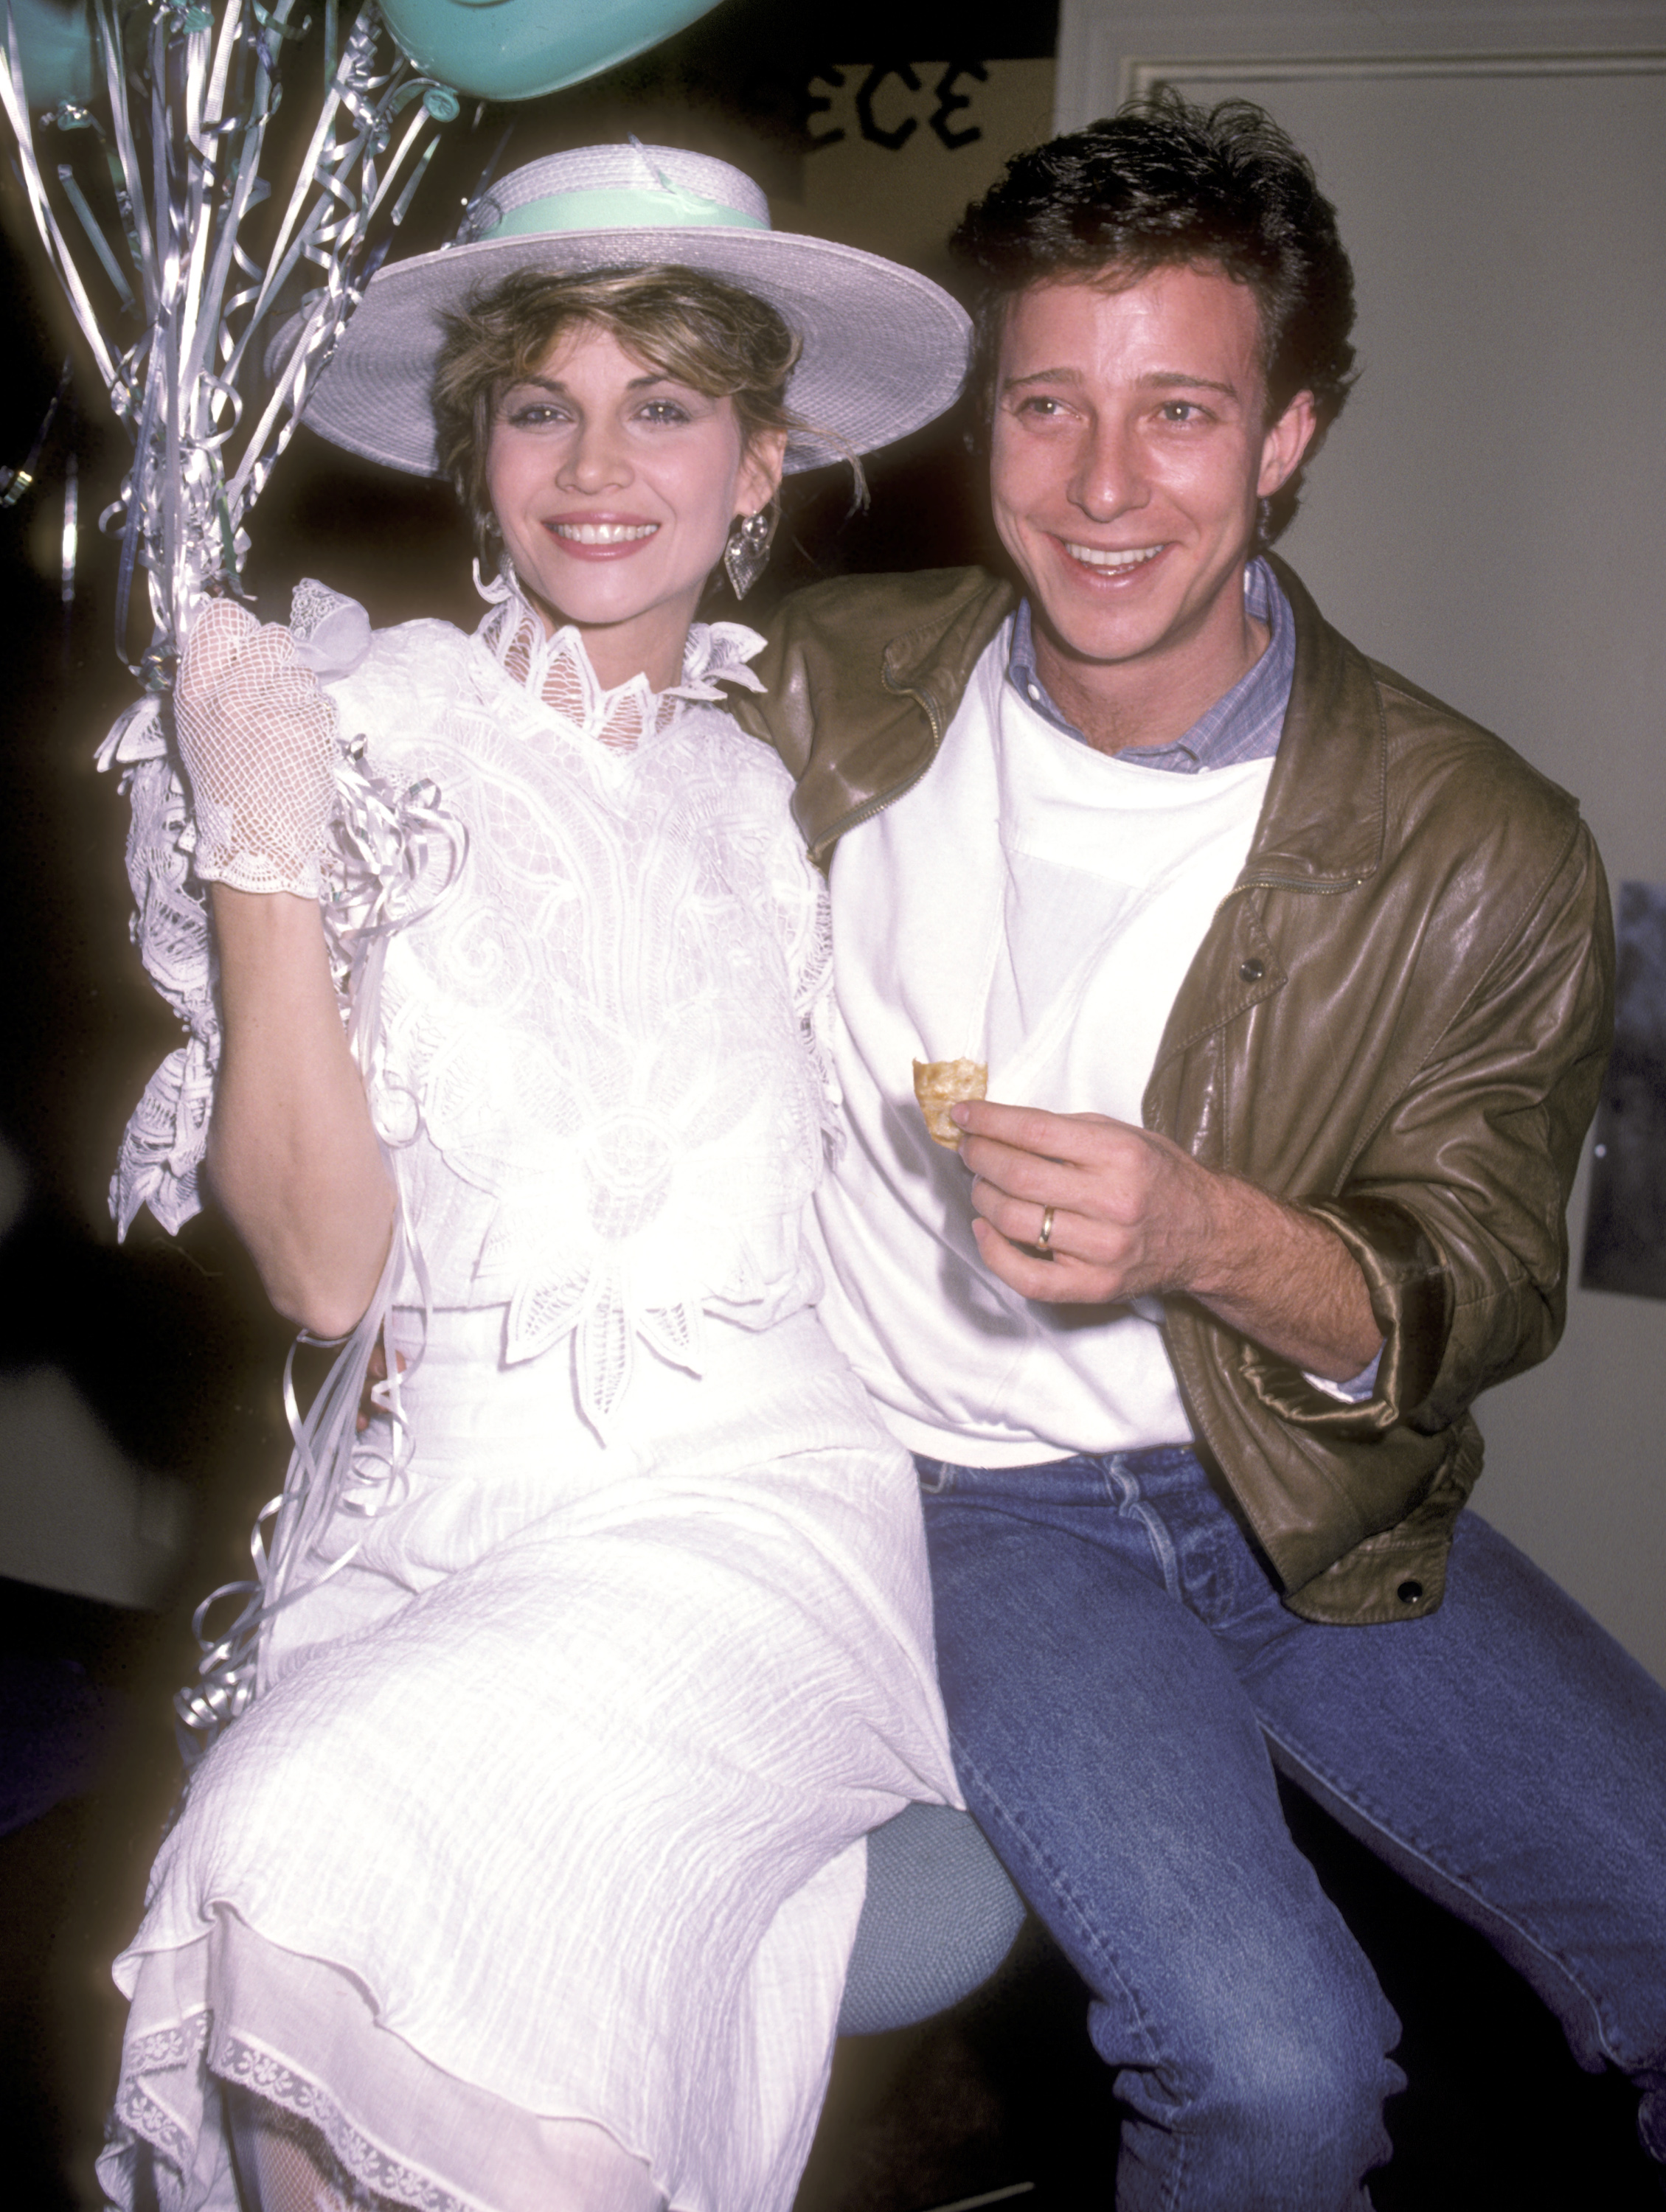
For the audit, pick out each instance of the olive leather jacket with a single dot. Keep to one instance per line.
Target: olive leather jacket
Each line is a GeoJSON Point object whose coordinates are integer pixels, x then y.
{"type": "Point", "coordinates": [1399, 1018]}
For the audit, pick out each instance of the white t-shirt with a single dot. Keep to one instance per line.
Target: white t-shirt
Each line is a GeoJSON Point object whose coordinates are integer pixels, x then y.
{"type": "Point", "coordinates": [1033, 904]}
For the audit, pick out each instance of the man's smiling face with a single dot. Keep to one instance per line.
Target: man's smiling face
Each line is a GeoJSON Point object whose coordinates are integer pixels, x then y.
{"type": "Point", "coordinates": [1130, 448]}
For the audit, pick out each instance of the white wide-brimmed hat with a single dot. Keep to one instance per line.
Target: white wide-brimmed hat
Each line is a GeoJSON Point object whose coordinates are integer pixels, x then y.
{"type": "Point", "coordinates": [884, 349]}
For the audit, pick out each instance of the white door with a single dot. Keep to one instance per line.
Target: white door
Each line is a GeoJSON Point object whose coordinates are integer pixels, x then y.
{"type": "Point", "coordinates": [1489, 516]}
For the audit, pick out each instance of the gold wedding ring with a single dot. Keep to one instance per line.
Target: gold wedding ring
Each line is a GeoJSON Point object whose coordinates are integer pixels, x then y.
{"type": "Point", "coordinates": [1046, 1238]}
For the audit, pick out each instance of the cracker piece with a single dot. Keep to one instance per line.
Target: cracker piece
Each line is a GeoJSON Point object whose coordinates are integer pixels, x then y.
{"type": "Point", "coordinates": [940, 1084]}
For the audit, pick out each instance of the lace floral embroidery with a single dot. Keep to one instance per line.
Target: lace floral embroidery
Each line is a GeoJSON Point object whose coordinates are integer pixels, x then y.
{"type": "Point", "coordinates": [621, 1086]}
{"type": "Point", "coordinates": [556, 670]}
{"type": "Point", "coordinates": [182, 2043]}
{"type": "Point", "coordinates": [374, 2176]}
{"type": "Point", "coordinates": [365, 2175]}
{"type": "Point", "coordinates": [162, 1147]}
{"type": "Point", "coordinates": [137, 2116]}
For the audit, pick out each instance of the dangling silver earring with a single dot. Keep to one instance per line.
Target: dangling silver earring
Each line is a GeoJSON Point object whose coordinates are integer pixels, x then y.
{"type": "Point", "coordinates": [1263, 524]}
{"type": "Point", "coordinates": [746, 556]}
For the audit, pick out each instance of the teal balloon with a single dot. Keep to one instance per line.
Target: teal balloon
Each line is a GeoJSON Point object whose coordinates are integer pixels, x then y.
{"type": "Point", "coordinates": [56, 45]}
{"type": "Point", "coordinates": [517, 49]}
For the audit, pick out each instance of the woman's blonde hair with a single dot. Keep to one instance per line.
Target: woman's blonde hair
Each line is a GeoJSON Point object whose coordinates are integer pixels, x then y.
{"type": "Point", "coordinates": [708, 334]}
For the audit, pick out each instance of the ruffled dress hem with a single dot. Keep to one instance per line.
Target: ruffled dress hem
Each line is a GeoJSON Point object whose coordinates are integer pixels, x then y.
{"type": "Point", "coordinates": [234, 2009]}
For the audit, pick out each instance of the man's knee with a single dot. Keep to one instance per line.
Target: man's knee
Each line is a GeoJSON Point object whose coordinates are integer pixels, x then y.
{"type": "Point", "coordinates": [1268, 2100]}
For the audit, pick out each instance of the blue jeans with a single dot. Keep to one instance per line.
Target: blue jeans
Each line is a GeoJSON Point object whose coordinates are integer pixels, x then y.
{"type": "Point", "coordinates": [1118, 1669]}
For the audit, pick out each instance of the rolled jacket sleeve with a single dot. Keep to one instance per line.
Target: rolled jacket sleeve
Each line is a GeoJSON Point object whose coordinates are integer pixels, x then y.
{"type": "Point", "coordinates": [1457, 1211]}
{"type": "Point", "coordinates": [1452, 1198]}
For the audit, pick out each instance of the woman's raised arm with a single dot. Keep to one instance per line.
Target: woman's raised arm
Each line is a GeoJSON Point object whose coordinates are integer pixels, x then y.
{"type": "Point", "coordinates": [293, 1155]}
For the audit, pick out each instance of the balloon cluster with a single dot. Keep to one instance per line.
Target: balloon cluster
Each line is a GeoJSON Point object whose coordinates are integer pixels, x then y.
{"type": "Point", "coordinates": [155, 219]}
{"type": "Point", "coordinates": [518, 49]}
{"type": "Point", "coordinates": [56, 41]}
{"type": "Point", "coordinates": [180, 261]}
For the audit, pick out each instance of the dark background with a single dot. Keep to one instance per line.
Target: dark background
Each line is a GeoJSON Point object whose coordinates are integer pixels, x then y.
{"type": "Point", "coordinates": [1626, 1227]}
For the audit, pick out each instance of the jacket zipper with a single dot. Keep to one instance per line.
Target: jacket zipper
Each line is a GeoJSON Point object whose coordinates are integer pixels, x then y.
{"type": "Point", "coordinates": [1193, 1405]}
{"type": "Point", "coordinates": [1294, 883]}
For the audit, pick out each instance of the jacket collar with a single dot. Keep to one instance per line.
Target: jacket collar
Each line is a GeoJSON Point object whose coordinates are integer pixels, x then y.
{"type": "Point", "coordinates": [934, 661]}
{"type": "Point", "coordinates": [858, 704]}
{"type": "Point", "coordinates": [1324, 821]}
{"type": "Point", "coordinates": [853, 750]}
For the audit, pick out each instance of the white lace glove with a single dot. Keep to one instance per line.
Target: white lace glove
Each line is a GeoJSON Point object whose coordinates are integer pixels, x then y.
{"type": "Point", "coordinates": [257, 738]}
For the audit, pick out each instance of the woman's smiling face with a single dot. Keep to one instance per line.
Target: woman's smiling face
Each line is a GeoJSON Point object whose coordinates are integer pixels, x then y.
{"type": "Point", "coordinates": [614, 487]}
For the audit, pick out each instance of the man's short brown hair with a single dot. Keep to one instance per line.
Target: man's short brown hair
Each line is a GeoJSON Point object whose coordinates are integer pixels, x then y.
{"type": "Point", "coordinates": [1163, 183]}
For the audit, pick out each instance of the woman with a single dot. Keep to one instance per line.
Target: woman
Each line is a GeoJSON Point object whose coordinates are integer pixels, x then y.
{"type": "Point", "coordinates": [527, 1879]}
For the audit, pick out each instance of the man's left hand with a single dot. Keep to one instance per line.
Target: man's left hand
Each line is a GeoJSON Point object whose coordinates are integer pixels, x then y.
{"type": "Point", "coordinates": [1132, 1215]}
{"type": "Point", "coordinates": [1127, 1214]}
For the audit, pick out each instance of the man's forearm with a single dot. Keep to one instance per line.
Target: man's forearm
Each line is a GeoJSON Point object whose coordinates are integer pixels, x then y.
{"type": "Point", "coordinates": [1125, 1214]}
{"type": "Point", "coordinates": [1286, 1279]}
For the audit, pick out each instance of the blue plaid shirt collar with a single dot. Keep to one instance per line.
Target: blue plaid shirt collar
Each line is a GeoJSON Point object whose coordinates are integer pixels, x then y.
{"type": "Point", "coordinates": [1245, 723]}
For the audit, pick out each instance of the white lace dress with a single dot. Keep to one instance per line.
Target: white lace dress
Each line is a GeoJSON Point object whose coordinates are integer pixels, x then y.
{"type": "Point", "coordinates": [550, 1809]}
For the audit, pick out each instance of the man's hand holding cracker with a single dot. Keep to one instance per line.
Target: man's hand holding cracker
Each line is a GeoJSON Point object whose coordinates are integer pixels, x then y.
{"type": "Point", "coordinates": [1076, 1209]}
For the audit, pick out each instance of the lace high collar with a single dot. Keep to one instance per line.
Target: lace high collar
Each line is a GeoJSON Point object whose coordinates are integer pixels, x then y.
{"type": "Point", "coordinates": [557, 668]}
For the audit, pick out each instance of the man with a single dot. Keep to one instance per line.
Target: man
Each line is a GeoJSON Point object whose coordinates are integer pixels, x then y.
{"type": "Point", "coordinates": [1293, 989]}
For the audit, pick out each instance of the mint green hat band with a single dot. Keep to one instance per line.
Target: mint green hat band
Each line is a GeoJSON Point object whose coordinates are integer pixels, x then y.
{"type": "Point", "coordinates": [622, 207]}
{"type": "Point", "coordinates": [882, 348]}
